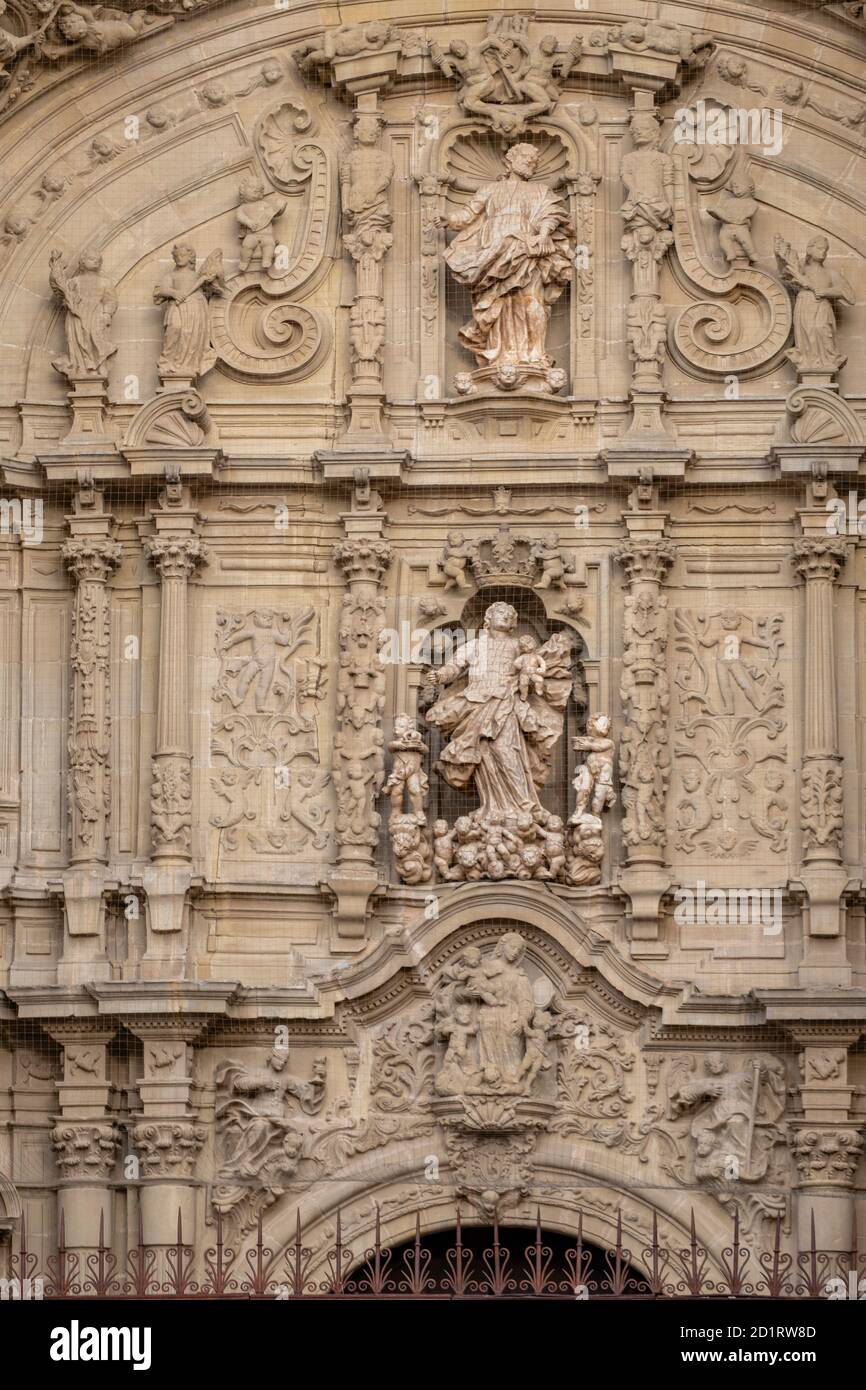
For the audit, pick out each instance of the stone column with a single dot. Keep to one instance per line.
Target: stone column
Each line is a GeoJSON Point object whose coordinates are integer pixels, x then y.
{"type": "Point", "coordinates": [367, 237]}
{"type": "Point", "coordinates": [175, 552]}
{"type": "Point", "coordinates": [826, 1143]}
{"type": "Point", "coordinates": [818, 559]}
{"type": "Point", "coordinates": [644, 757]}
{"type": "Point", "coordinates": [647, 214]}
{"type": "Point", "coordinates": [85, 1138]}
{"type": "Point", "coordinates": [167, 1137]}
{"type": "Point", "coordinates": [91, 555]}
{"type": "Point", "coordinates": [359, 759]}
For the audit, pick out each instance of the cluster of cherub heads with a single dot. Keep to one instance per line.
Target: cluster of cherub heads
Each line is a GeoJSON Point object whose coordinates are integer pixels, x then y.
{"type": "Point", "coordinates": [493, 845]}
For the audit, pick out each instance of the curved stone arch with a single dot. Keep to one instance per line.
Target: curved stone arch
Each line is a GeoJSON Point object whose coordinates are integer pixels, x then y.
{"type": "Point", "coordinates": [404, 1203]}
{"type": "Point", "coordinates": [558, 918]}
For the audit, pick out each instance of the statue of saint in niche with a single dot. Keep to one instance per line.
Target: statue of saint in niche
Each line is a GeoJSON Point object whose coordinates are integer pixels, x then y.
{"type": "Point", "coordinates": [514, 249]}
{"type": "Point", "coordinates": [500, 742]}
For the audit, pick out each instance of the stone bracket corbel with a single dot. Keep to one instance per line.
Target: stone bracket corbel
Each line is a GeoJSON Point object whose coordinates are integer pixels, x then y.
{"type": "Point", "coordinates": [644, 886]}
{"type": "Point", "coordinates": [353, 890]}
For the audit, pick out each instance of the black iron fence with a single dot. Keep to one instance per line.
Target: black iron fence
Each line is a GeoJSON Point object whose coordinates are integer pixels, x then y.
{"type": "Point", "coordinates": [497, 1269]}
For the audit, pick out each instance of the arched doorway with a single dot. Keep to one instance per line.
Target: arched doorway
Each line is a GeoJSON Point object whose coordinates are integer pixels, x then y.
{"type": "Point", "coordinates": [510, 1261]}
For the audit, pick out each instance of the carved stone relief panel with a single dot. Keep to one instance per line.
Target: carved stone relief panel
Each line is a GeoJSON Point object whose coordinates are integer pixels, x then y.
{"type": "Point", "coordinates": [733, 799]}
{"type": "Point", "coordinates": [269, 789]}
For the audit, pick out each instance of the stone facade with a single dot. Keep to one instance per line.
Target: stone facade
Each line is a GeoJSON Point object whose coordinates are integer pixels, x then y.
{"type": "Point", "coordinates": [432, 597]}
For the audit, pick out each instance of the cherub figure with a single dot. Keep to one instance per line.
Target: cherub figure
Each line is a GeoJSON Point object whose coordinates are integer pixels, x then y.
{"type": "Point", "coordinates": [530, 668]}
{"type": "Point", "coordinates": [734, 209]}
{"type": "Point", "coordinates": [257, 213]}
{"type": "Point", "coordinates": [535, 1036]}
{"type": "Point", "coordinates": [553, 563]}
{"type": "Point", "coordinates": [464, 61]}
{"type": "Point", "coordinates": [443, 847]}
{"type": "Point", "coordinates": [407, 775]}
{"type": "Point", "coordinates": [95, 29]}
{"type": "Point", "coordinates": [411, 851]}
{"type": "Point", "coordinates": [458, 1067]}
{"type": "Point", "coordinates": [593, 781]}
{"type": "Point", "coordinates": [457, 554]}
{"type": "Point", "coordinates": [552, 836]}
{"type": "Point", "coordinates": [468, 864]}
{"type": "Point", "coordinates": [539, 83]}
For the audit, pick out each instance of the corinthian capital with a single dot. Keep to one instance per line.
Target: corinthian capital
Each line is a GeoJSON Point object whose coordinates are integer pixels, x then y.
{"type": "Point", "coordinates": [175, 557]}
{"type": "Point", "coordinates": [819, 557]}
{"type": "Point", "coordinates": [168, 1148]}
{"type": "Point", "coordinates": [85, 1150]}
{"type": "Point", "coordinates": [363, 559]}
{"type": "Point", "coordinates": [646, 559]}
{"type": "Point", "coordinates": [92, 558]}
{"type": "Point", "coordinates": [828, 1155]}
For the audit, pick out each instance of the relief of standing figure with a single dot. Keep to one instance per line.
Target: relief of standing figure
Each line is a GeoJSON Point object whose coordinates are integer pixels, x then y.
{"type": "Point", "coordinates": [90, 302]}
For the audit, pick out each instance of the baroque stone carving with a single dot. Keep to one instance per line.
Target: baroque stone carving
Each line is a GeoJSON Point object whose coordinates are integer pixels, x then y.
{"type": "Point", "coordinates": [644, 757]}
{"type": "Point", "coordinates": [734, 1126]}
{"type": "Point", "coordinates": [359, 758]}
{"type": "Point", "coordinates": [728, 698]}
{"type": "Point", "coordinates": [513, 249]}
{"type": "Point", "coordinates": [168, 1148]}
{"type": "Point", "coordinates": [734, 209]}
{"type": "Point", "coordinates": [344, 41]}
{"type": "Point", "coordinates": [259, 1138]}
{"type": "Point", "coordinates": [407, 788]}
{"type": "Point", "coordinates": [90, 303]}
{"type": "Point", "coordinates": [594, 794]}
{"type": "Point", "coordinates": [501, 744]}
{"type": "Point", "coordinates": [714, 335]}
{"type": "Point", "coordinates": [505, 556]}
{"type": "Point", "coordinates": [176, 558]}
{"type": "Point", "coordinates": [91, 561]}
{"type": "Point", "coordinates": [266, 721]}
{"type": "Point", "coordinates": [819, 560]}
{"type": "Point", "coordinates": [85, 1150]}
{"type": "Point", "coordinates": [494, 1031]}
{"type": "Point", "coordinates": [257, 212]}
{"type": "Point", "coordinates": [505, 79]}
{"type": "Point", "coordinates": [187, 352]}
{"type": "Point", "coordinates": [817, 290]}
{"type": "Point", "coordinates": [826, 1155]}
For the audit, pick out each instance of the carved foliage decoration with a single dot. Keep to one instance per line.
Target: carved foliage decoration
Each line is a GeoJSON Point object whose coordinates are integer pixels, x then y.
{"type": "Point", "coordinates": [269, 785]}
{"type": "Point", "coordinates": [730, 692]}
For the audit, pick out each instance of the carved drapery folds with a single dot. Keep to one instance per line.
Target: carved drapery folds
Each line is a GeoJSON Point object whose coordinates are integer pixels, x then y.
{"type": "Point", "coordinates": [91, 559]}
{"type": "Point", "coordinates": [499, 717]}
{"type": "Point", "coordinates": [513, 250]}
{"type": "Point", "coordinates": [261, 1135]}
